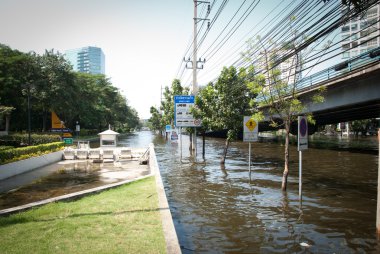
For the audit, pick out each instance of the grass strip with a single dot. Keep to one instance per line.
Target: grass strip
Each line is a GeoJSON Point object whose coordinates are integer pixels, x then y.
{"type": "Point", "coordinates": [122, 220]}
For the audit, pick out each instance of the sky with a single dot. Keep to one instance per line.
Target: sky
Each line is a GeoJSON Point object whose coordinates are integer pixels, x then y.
{"type": "Point", "coordinates": [143, 40]}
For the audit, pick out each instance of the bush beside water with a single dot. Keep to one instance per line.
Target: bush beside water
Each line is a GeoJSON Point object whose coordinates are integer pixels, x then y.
{"type": "Point", "coordinates": [22, 153]}
{"type": "Point", "coordinates": [21, 139]}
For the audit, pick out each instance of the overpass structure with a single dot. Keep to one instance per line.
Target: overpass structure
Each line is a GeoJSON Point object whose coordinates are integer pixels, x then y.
{"type": "Point", "coordinates": [352, 90]}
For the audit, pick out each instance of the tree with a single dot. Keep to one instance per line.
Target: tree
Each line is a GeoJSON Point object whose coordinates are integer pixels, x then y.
{"type": "Point", "coordinates": [155, 120]}
{"type": "Point", "coordinates": [55, 88]}
{"type": "Point", "coordinates": [205, 105]}
{"type": "Point", "coordinates": [222, 105]}
{"type": "Point", "coordinates": [278, 98]}
{"type": "Point", "coordinates": [17, 71]}
{"type": "Point", "coordinates": [167, 105]}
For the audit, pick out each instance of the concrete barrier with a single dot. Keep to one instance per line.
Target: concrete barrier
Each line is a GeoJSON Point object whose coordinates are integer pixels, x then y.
{"type": "Point", "coordinates": [19, 167]}
{"type": "Point", "coordinates": [171, 239]}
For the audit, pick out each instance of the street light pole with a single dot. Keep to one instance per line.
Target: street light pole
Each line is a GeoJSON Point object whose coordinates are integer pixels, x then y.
{"type": "Point", "coordinates": [29, 118]}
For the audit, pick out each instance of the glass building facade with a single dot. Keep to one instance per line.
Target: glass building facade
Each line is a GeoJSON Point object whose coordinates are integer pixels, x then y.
{"type": "Point", "coordinates": [87, 59]}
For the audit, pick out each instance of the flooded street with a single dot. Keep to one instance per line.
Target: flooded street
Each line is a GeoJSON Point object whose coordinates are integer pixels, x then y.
{"type": "Point", "coordinates": [224, 210]}
{"type": "Point", "coordinates": [227, 210]}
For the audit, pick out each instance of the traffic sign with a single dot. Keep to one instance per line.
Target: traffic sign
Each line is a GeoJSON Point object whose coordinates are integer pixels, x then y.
{"type": "Point", "coordinates": [302, 133]}
{"type": "Point", "coordinates": [182, 111]}
{"type": "Point", "coordinates": [251, 129]}
{"type": "Point", "coordinates": [251, 124]}
{"type": "Point", "coordinates": [168, 128]}
{"type": "Point", "coordinates": [174, 135]}
{"type": "Point", "coordinates": [68, 141]}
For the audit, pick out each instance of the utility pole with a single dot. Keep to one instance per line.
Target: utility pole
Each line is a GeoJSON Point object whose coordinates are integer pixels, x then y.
{"type": "Point", "coordinates": [195, 61]}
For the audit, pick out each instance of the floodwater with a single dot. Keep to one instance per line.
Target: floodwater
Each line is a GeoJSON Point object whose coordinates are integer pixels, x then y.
{"type": "Point", "coordinates": [66, 177]}
{"type": "Point", "coordinates": [227, 210]}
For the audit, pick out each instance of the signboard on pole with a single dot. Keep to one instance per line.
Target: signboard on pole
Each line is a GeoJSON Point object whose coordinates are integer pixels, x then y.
{"type": "Point", "coordinates": [168, 128]}
{"type": "Point", "coordinates": [251, 129]}
{"type": "Point", "coordinates": [182, 115]}
{"type": "Point", "coordinates": [174, 135]}
{"type": "Point", "coordinates": [68, 141]}
{"type": "Point", "coordinates": [302, 133]}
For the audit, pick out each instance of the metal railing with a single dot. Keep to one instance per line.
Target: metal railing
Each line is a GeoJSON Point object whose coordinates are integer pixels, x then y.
{"type": "Point", "coordinates": [339, 70]}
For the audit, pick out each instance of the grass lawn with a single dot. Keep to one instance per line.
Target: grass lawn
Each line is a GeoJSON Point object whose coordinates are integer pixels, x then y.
{"type": "Point", "coordinates": [121, 220]}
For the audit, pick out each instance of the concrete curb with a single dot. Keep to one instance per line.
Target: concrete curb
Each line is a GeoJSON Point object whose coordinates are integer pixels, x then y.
{"type": "Point", "coordinates": [19, 167]}
{"type": "Point", "coordinates": [171, 239]}
{"type": "Point", "coordinates": [70, 196]}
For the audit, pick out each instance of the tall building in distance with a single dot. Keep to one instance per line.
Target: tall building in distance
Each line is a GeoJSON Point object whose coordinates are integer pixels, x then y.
{"type": "Point", "coordinates": [360, 34]}
{"type": "Point", "coordinates": [87, 59]}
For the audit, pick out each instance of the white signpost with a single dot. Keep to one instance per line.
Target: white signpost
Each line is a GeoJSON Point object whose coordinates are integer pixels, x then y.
{"type": "Point", "coordinates": [250, 134]}
{"type": "Point", "coordinates": [302, 145]}
{"type": "Point", "coordinates": [183, 116]}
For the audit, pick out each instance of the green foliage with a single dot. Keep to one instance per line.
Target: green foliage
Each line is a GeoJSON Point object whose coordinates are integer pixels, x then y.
{"type": "Point", "coordinates": [155, 121]}
{"type": "Point", "coordinates": [21, 153]}
{"type": "Point", "coordinates": [158, 120]}
{"type": "Point", "coordinates": [52, 85]}
{"type": "Point", "coordinates": [167, 105]}
{"type": "Point", "coordinates": [222, 105]}
{"type": "Point", "coordinates": [2, 148]}
{"type": "Point", "coordinates": [36, 139]}
{"type": "Point", "coordinates": [88, 132]}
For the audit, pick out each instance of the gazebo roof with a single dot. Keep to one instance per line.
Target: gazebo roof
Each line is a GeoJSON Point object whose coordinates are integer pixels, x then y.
{"type": "Point", "coordinates": [109, 132]}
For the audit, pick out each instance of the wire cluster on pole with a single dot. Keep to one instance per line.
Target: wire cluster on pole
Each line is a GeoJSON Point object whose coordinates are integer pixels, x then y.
{"type": "Point", "coordinates": [306, 28]}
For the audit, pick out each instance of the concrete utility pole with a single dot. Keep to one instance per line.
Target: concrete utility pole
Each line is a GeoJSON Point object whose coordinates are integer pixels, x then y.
{"type": "Point", "coordinates": [195, 61]}
{"type": "Point", "coordinates": [378, 188]}
{"type": "Point", "coordinates": [195, 87]}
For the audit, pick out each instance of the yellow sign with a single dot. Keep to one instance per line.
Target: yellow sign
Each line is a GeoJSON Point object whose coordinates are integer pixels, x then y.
{"type": "Point", "coordinates": [67, 135]}
{"type": "Point", "coordinates": [56, 122]}
{"type": "Point", "coordinates": [251, 124]}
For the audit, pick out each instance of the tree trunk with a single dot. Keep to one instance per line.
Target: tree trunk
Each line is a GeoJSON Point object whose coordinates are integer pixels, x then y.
{"type": "Point", "coordinates": [203, 145]}
{"type": "Point", "coordinates": [191, 143]}
{"type": "Point", "coordinates": [44, 120]}
{"type": "Point", "coordinates": [7, 122]}
{"type": "Point", "coordinates": [223, 160]}
{"type": "Point", "coordinates": [286, 166]}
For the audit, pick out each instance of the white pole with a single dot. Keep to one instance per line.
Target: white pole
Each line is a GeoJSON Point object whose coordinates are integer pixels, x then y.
{"type": "Point", "coordinates": [195, 143]}
{"type": "Point", "coordinates": [249, 159]}
{"type": "Point", "coordinates": [180, 142]}
{"type": "Point", "coordinates": [300, 177]}
{"type": "Point", "coordinates": [194, 92]}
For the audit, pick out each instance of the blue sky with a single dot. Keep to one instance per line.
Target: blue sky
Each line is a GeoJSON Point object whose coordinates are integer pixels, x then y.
{"type": "Point", "coordinates": [143, 41]}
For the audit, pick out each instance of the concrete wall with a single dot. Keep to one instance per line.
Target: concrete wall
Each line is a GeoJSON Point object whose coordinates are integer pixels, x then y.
{"type": "Point", "coordinates": [171, 239]}
{"type": "Point", "coordinates": [19, 167]}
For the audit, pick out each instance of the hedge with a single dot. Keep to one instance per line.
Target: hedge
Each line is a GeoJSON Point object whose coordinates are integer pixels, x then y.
{"type": "Point", "coordinates": [19, 139]}
{"type": "Point", "coordinates": [22, 153]}
{"type": "Point", "coordinates": [5, 147]}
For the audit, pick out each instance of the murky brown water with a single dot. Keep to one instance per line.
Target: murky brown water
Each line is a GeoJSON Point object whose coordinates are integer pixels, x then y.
{"type": "Point", "coordinates": [225, 210]}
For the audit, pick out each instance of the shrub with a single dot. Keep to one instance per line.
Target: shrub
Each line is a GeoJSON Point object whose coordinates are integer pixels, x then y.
{"type": "Point", "coordinates": [19, 139]}
{"type": "Point", "coordinates": [88, 132]}
{"type": "Point", "coordinates": [20, 153]}
{"type": "Point", "coordinates": [2, 148]}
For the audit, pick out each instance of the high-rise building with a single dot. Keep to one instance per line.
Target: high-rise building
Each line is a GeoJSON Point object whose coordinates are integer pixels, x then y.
{"type": "Point", "coordinates": [360, 34]}
{"type": "Point", "coordinates": [287, 68]}
{"type": "Point", "coordinates": [87, 59]}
